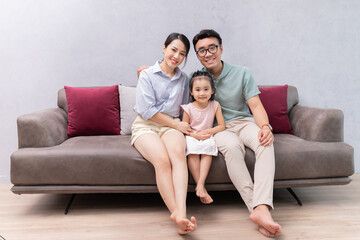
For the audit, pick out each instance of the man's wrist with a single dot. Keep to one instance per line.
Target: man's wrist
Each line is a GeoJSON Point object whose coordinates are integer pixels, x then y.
{"type": "Point", "coordinates": [267, 125]}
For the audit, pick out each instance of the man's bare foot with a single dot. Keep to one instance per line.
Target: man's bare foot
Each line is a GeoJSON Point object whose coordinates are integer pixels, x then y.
{"type": "Point", "coordinates": [267, 226]}
{"type": "Point", "coordinates": [203, 195]}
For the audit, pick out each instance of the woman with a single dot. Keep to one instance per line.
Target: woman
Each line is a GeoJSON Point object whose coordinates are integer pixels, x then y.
{"type": "Point", "coordinates": [158, 133]}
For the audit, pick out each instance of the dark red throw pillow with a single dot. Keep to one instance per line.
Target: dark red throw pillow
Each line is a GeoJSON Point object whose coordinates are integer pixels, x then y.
{"type": "Point", "coordinates": [274, 100]}
{"type": "Point", "coordinates": [93, 111]}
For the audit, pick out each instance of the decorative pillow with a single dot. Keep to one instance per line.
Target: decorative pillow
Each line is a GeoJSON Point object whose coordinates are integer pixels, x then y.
{"type": "Point", "coordinates": [274, 100]}
{"type": "Point", "coordinates": [93, 111]}
{"type": "Point", "coordinates": [127, 103]}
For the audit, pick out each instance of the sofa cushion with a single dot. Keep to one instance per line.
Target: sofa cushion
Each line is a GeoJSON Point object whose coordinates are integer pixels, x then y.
{"type": "Point", "coordinates": [111, 160]}
{"type": "Point", "coordinates": [127, 103]}
{"type": "Point", "coordinates": [93, 111]}
{"type": "Point", "coordinates": [274, 100]}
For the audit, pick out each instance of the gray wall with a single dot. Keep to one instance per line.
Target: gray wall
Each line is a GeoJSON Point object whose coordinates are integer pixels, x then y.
{"type": "Point", "coordinates": [45, 45]}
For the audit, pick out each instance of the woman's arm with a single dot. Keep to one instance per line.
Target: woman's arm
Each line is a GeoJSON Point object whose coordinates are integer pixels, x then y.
{"type": "Point", "coordinates": [265, 135]}
{"type": "Point", "coordinates": [164, 119]}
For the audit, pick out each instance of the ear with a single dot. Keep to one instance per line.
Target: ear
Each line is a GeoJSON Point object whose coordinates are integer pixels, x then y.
{"type": "Point", "coordinates": [164, 49]}
{"type": "Point", "coordinates": [221, 49]}
{"type": "Point", "coordinates": [191, 92]}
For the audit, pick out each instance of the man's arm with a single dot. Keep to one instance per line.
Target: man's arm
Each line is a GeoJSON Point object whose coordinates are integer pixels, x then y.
{"type": "Point", "coordinates": [265, 135]}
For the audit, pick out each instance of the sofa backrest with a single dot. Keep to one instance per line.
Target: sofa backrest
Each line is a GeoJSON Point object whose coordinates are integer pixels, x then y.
{"type": "Point", "coordinates": [292, 97]}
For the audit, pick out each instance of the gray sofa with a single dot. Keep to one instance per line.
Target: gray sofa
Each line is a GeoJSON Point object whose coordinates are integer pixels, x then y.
{"type": "Point", "coordinates": [47, 161]}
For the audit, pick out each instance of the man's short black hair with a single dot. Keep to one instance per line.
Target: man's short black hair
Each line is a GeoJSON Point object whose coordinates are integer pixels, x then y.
{"type": "Point", "coordinates": [206, 33]}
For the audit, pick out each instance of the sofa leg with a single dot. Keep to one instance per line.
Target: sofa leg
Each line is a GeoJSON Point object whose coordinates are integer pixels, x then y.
{"type": "Point", "coordinates": [69, 203]}
{"type": "Point", "coordinates": [295, 196]}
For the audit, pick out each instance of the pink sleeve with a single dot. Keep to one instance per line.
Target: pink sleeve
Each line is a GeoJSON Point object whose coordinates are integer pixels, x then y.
{"type": "Point", "coordinates": [186, 108]}
{"type": "Point", "coordinates": [215, 105]}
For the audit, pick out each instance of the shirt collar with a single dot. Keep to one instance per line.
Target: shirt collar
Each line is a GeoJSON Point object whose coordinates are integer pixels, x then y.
{"type": "Point", "coordinates": [157, 69]}
{"type": "Point", "coordinates": [225, 70]}
{"type": "Point", "coordinates": [223, 73]}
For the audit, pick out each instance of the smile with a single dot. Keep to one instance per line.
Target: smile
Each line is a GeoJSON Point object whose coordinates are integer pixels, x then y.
{"type": "Point", "coordinates": [210, 60]}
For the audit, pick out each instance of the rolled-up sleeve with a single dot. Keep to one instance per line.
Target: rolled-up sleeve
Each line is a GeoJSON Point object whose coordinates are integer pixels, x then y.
{"type": "Point", "coordinates": [145, 97]}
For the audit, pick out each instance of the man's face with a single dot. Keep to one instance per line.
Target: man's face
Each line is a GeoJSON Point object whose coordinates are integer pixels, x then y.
{"type": "Point", "coordinates": [210, 60]}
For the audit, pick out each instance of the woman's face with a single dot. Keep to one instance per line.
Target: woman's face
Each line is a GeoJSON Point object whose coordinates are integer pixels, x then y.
{"type": "Point", "coordinates": [174, 53]}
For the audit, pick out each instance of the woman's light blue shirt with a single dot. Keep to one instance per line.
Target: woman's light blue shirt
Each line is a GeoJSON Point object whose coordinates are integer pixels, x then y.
{"type": "Point", "coordinates": [156, 92]}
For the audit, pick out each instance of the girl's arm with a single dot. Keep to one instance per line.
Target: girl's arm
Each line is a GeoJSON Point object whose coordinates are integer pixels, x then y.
{"type": "Point", "coordinates": [220, 120]}
{"type": "Point", "coordinates": [198, 136]}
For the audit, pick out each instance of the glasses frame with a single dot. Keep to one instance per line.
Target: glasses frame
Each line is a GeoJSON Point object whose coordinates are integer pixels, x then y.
{"type": "Point", "coordinates": [208, 50]}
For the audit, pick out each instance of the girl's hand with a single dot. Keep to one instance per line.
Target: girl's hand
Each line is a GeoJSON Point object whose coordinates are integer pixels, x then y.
{"type": "Point", "coordinates": [202, 135]}
{"type": "Point", "coordinates": [266, 137]}
{"type": "Point", "coordinates": [183, 127]}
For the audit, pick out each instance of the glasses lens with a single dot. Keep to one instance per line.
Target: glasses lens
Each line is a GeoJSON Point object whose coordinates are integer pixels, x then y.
{"type": "Point", "coordinates": [202, 52]}
{"type": "Point", "coordinates": [213, 49]}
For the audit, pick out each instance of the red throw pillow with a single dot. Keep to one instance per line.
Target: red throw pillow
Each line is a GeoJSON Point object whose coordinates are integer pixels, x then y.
{"type": "Point", "coordinates": [274, 100]}
{"type": "Point", "coordinates": [93, 111]}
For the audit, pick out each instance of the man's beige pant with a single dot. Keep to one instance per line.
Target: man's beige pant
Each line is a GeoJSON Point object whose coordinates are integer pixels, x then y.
{"type": "Point", "coordinates": [231, 143]}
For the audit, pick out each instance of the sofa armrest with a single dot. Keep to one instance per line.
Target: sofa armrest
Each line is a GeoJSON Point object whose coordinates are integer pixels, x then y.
{"type": "Point", "coordinates": [317, 124]}
{"type": "Point", "coordinates": [44, 128]}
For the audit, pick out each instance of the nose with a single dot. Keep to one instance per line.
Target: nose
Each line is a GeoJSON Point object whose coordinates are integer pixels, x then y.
{"type": "Point", "coordinates": [208, 52]}
{"type": "Point", "coordinates": [176, 55]}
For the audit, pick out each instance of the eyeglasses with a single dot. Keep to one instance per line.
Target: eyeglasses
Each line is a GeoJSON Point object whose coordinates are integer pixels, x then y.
{"type": "Point", "coordinates": [212, 49]}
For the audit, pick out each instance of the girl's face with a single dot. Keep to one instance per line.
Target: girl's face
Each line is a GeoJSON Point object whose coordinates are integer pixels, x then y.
{"type": "Point", "coordinates": [174, 53]}
{"type": "Point", "coordinates": [201, 89]}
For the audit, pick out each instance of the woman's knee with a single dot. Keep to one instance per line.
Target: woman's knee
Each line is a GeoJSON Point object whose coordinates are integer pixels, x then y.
{"type": "Point", "coordinates": [162, 163]}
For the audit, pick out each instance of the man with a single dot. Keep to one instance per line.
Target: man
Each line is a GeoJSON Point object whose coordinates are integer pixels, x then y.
{"type": "Point", "coordinates": [236, 92]}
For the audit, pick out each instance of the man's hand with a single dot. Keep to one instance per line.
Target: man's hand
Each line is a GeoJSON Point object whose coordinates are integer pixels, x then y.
{"type": "Point", "coordinates": [265, 136]}
{"type": "Point", "coordinates": [140, 69]}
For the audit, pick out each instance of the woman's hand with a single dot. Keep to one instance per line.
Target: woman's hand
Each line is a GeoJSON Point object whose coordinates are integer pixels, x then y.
{"type": "Point", "coordinates": [183, 127]}
{"type": "Point", "coordinates": [265, 136]}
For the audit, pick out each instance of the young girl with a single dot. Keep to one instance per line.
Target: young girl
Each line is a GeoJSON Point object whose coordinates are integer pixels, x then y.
{"type": "Point", "coordinates": [158, 133]}
{"type": "Point", "coordinates": [200, 114]}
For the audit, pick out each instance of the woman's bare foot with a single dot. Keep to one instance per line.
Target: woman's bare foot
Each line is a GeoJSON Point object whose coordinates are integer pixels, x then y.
{"type": "Point", "coordinates": [203, 195]}
{"type": "Point", "coordinates": [184, 225]}
{"type": "Point", "coordinates": [265, 232]}
{"type": "Point", "coordinates": [267, 226]}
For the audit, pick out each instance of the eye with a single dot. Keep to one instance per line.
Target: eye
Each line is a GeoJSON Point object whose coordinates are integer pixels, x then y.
{"type": "Point", "coordinates": [202, 51]}
{"type": "Point", "coordinates": [212, 47]}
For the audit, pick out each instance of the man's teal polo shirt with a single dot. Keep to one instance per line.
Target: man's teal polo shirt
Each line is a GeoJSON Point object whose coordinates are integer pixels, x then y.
{"type": "Point", "coordinates": [233, 88]}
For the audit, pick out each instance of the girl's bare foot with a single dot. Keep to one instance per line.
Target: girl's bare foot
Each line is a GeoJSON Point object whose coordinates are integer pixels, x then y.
{"type": "Point", "coordinates": [267, 226]}
{"type": "Point", "coordinates": [203, 195]}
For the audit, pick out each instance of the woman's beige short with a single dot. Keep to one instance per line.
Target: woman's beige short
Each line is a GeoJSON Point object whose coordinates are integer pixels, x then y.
{"type": "Point", "coordinates": [141, 126]}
